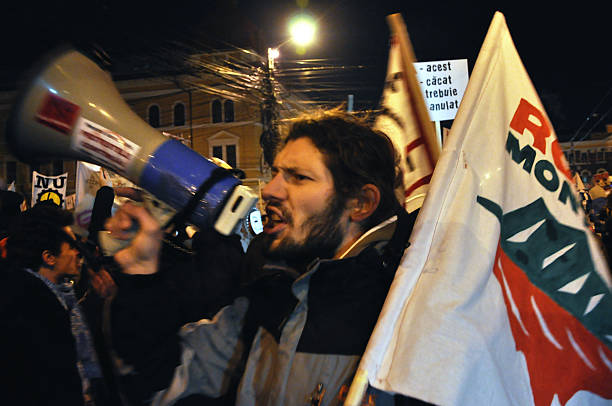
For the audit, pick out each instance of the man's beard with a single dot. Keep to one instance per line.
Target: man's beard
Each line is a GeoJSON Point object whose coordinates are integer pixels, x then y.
{"type": "Point", "coordinates": [322, 240]}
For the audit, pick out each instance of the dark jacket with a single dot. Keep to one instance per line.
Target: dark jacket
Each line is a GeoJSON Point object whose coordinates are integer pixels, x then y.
{"type": "Point", "coordinates": [38, 351]}
{"type": "Point", "coordinates": [288, 334]}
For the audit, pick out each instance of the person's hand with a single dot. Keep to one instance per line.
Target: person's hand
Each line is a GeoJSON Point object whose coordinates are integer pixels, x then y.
{"type": "Point", "coordinates": [141, 256]}
{"type": "Point", "coordinates": [129, 192]}
{"type": "Point", "coordinates": [102, 283]}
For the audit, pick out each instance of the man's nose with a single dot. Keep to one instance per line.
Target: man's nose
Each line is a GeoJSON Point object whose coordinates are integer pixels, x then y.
{"type": "Point", "coordinates": [274, 189]}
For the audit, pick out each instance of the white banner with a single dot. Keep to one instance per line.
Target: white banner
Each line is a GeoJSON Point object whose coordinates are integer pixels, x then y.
{"type": "Point", "coordinates": [52, 188]}
{"type": "Point", "coordinates": [504, 297]}
{"type": "Point", "coordinates": [405, 120]}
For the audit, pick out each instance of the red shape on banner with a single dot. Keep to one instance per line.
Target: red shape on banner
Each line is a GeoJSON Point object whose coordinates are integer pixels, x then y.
{"type": "Point", "coordinates": [562, 356]}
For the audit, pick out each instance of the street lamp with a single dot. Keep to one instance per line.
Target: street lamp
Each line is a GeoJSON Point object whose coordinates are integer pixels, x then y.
{"type": "Point", "coordinates": [302, 29]}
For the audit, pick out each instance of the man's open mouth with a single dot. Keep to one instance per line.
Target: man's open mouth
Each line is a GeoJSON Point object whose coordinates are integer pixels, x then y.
{"type": "Point", "coordinates": [275, 221]}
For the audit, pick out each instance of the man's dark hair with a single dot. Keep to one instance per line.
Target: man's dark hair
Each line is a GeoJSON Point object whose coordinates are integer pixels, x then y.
{"type": "Point", "coordinates": [355, 154]}
{"type": "Point", "coordinates": [34, 231]}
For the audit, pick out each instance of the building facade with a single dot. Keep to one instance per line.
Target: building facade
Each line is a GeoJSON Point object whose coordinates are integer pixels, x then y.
{"type": "Point", "coordinates": [590, 157]}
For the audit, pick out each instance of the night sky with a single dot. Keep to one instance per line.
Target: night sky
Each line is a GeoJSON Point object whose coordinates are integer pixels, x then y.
{"type": "Point", "coordinates": [565, 49]}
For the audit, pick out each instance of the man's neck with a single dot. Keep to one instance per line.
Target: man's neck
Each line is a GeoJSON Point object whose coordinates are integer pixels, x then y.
{"type": "Point", "coordinates": [48, 274]}
{"type": "Point", "coordinates": [380, 232]}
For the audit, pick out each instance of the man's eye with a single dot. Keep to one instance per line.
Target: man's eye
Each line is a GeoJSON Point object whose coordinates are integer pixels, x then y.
{"type": "Point", "coordinates": [300, 177]}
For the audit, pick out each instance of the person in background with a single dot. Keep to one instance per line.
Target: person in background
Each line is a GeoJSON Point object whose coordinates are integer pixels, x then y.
{"type": "Point", "coordinates": [11, 204]}
{"type": "Point", "coordinates": [46, 347]}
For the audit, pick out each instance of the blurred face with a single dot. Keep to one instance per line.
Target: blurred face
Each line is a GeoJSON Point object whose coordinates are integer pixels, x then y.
{"type": "Point", "coordinates": [306, 219]}
{"type": "Point", "coordinates": [68, 261]}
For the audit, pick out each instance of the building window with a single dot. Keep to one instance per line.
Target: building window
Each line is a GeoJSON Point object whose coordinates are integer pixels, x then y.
{"type": "Point", "coordinates": [218, 152]}
{"type": "Point", "coordinates": [592, 157]}
{"type": "Point", "coordinates": [600, 155]}
{"type": "Point", "coordinates": [154, 116]}
{"type": "Point", "coordinates": [230, 155]}
{"type": "Point", "coordinates": [569, 157]}
{"type": "Point", "coordinates": [225, 146]}
{"type": "Point", "coordinates": [179, 114]}
{"type": "Point", "coordinates": [228, 107]}
{"type": "Point", "coordinates": [225, 152]}
{"type": "Point", "coordinates": [216, 111]}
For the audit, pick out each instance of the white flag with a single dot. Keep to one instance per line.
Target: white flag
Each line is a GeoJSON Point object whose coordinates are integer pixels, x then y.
{"type": "Point", "coordinates": [405, 118]}
{"type": "Point", "coordinates": [503, 298]}
{"type": "Point", "coordinates": [52, 188]}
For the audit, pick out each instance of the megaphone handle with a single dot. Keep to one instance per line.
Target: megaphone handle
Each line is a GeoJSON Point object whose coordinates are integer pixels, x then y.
{"type": "Point", "coordinates": [111, 245]}
{"type": "Point", "coordinates": [182, 215]}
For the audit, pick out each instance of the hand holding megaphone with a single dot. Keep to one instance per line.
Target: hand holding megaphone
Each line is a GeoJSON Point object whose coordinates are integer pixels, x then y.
{"type": "Point", "coordinates": [110, 243]}
{"type": "Point", "coordinates": [134, 224]}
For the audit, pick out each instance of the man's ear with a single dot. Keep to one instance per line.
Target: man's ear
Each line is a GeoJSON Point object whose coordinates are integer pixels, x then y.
{"type": "Point", "coordinates": [365, 203]}
{"type": "Point", "coordinates": [48, 259]}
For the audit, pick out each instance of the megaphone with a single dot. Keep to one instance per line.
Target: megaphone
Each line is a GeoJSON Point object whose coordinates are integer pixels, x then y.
{"type": "Point", "coordinates": [71, 109]}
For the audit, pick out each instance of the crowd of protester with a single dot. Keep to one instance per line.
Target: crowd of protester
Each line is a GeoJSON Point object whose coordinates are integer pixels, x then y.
{"type": "Point", "coordinates": [65, 299]}
{"type": "Point", "coordinates": [596, 201]}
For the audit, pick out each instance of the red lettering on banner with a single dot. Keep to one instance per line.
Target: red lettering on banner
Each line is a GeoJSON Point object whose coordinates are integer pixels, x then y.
{"type": "Point", "coordinates": [559, 159]}
{"type": "Point", "coordinates": [562, 356]}
{"type": "Point", "coordinates": [521, 122]}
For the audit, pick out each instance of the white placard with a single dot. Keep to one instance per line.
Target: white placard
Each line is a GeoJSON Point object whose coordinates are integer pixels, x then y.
{"type": "Point", "coordinates": [443, 84]}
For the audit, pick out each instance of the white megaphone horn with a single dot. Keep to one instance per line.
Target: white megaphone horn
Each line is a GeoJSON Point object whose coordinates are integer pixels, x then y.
{"type": "Point", "coordinates": [71, 109]}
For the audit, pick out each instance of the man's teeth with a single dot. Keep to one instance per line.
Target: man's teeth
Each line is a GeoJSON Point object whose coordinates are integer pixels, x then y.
{"type": "Point", "coordinates": [274, 217]}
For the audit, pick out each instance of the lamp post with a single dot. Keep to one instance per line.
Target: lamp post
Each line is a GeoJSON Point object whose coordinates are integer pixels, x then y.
{"type": "Point", "coordinates": [302, 31]}
{"type": "Point", "coordinates": [270, 137]}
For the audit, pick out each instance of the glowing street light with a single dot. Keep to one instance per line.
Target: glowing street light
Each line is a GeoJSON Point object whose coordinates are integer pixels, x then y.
{"type": "Point", "coordinates": [302, 29]}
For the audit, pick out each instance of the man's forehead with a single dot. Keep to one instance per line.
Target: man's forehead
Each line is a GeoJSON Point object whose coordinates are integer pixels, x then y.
{"type": "Point", "coordinates": [298, 153]}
